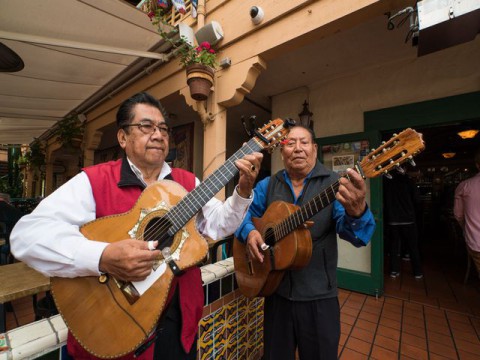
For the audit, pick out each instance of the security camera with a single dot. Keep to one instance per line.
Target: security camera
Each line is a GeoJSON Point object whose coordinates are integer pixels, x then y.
{"type": "Point", "coordinates": [256, 13]}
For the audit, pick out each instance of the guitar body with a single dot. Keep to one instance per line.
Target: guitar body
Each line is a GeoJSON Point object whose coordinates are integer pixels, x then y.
{"type": "Point", "coordinates": [293, 251]}
{"type": "Point", "coordinates": [99, 315]}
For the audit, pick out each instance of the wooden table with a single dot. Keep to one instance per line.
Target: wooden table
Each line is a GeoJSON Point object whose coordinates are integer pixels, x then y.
{"type": "Point", "coordinates": [18, 280]}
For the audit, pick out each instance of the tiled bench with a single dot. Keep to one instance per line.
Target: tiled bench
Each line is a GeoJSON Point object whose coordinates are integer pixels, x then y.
{"type": "Point", "coordinates": [231, 325]}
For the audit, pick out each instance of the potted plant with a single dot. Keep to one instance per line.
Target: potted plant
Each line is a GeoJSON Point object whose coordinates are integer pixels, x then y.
{"type": "Point", "coordinates": [199, 64]}
{"type": "Point", "coordinates": [69, 131]}
{"type": "Point", "coordinates": [35, 156]}
{"type": "Point", "coordinates": [22, 161]}
{"type": "Point", "coordinates": [199, 61]}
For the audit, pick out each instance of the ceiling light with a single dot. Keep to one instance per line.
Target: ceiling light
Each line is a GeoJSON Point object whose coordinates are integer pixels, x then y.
{"type": "Point", "coordinates": [468, 134]}
{"type": "Point", "coordinates": [448, 155]}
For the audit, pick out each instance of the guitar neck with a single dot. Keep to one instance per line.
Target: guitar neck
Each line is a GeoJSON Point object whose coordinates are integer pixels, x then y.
{"type": "Point", "coordinates": [184, 210]}
{"type": "Point", "coordinates": [307, 211]}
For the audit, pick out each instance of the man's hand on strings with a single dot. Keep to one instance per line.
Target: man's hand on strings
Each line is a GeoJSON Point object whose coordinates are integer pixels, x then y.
{"type": "Point", "coordinates": [249, 167]}
{"type": "Point", "coordinates": [351, 194]}
{"type": "Point", "coordinates": [256, 246]}
{"type": "Point", "coordinates": [129, 260]}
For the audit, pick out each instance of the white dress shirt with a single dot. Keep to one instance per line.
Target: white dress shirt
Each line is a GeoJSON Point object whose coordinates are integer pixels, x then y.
{"type": "Point", "coordinates": [49, 239]}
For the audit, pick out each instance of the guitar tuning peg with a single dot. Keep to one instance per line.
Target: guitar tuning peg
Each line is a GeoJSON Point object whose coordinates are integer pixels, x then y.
{"type": "Point", "coordinates": [387, 175]}
{"type": "Point", "coordinates": [400, 169]}
{"type": "Point", "coordinates": [410, 160]}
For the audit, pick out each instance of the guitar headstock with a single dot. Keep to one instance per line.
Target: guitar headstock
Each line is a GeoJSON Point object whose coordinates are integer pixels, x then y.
{"type": "Point", "coordinates": [392, 153]}
{"type": "Point", "coordinates": [273, 133]}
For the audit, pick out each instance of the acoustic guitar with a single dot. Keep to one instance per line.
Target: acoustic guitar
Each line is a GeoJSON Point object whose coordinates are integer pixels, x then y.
{"type": "Point", "coordinates": [111, 318]}
{"type": "Point", "coordinates": [284, 226]}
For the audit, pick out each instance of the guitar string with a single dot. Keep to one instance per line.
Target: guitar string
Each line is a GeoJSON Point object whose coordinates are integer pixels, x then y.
{"type": "Point", "coordinates": [300, 216]}
{"type": "Point", "coordinates": [191, 196]}
{"type": "Point", "coordinates": [161, 227]}
{"type": "Point", "coordinates": [175, 212]}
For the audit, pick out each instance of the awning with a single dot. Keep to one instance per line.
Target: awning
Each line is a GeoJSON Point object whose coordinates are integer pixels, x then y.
{"type": "Point", "coordinates": [71, 49]}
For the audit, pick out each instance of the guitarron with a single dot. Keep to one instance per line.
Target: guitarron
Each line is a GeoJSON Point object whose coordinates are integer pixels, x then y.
{"type": "Point", "coordinates": [108, 317]}
{"type": "Point", "coordinates": [284, 226]}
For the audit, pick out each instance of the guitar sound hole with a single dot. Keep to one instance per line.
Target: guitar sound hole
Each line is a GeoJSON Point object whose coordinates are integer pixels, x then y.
{"type": "Point", "coordinates": [270, 237]}
{"type": "Point", "coordinates": [157, 229]}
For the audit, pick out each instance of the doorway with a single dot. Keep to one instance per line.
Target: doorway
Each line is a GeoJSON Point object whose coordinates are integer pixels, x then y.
{"type": "Point", "coordinates": [446, 161]}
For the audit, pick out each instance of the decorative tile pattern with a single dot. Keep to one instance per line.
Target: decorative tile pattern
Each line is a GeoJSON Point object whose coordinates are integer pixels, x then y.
{"type": "Point", "coordinates": [233, 325]}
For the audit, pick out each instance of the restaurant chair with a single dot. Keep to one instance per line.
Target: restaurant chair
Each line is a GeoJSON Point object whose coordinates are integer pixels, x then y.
{"type": "Point", "coordinates": [5, 255]}
{"type": "Point", "coordinates": [45, 307]}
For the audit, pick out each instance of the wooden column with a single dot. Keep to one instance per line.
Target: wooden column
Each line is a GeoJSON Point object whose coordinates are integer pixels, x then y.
{"type": "Point", "coordinates": [215, 144]}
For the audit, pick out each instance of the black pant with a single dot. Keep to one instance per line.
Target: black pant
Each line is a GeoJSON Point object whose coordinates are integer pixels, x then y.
{"type": "Point", "coordinates": [312, 326]}
{"type": "Point", "coordinates": [406, 234]}
{"type": "Point", "coordinates": [168, 344]}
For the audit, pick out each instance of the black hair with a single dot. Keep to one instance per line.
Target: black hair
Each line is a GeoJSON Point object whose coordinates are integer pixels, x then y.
{"type": "Point", "coordinates": [125, 113]}
{"type": "Point", "coordinates": [310, 131]}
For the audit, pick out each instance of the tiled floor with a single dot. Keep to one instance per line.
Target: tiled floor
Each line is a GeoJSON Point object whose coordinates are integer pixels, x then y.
{"type": "Point", "coordinates": [437, 317]}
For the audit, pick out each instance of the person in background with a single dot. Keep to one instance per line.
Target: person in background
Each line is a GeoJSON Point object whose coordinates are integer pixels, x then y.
{"type": "Point", "coordinates": [467, 212]}
{"type": "Point", "coordinates": [9, 215]}
{"type": "Point", "coordinates": [49, 239]}
{"type": "Point", "coordinates": [400, 200]}
{"type": "Point", "coordinates": [304, 312]}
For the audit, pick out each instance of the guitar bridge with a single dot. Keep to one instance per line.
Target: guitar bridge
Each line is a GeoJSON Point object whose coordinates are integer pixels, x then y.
{"type": "Point", "coordinates": [128, 290]}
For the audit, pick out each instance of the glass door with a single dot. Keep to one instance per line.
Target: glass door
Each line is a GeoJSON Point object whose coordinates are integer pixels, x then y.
{"type": "Point", "coordinates": [359, 269]}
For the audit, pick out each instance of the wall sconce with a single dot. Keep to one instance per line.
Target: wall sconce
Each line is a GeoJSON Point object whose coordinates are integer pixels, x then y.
{"type": "Point", "coordinates": [468, 134]}
{"type": "Point", "coordinates": [305, 117]}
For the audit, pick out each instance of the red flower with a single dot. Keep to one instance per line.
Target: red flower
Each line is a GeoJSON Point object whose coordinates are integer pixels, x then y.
{"type": "Point", "coordinates": [205, 45]}
{"type": "Point", "coordinates": [211, 51]}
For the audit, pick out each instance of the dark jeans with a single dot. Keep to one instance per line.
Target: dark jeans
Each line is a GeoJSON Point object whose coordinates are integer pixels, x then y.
{"type": "Point", "coordinates": [312, 326]}
{"type": "Point", "coordinates": [408, 235]}
{"type": "Point", "coordinates": [168, 344]}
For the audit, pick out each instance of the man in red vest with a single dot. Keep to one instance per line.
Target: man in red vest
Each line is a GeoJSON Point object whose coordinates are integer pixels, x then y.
{"type": "Point", "coordinates": [49, 239]}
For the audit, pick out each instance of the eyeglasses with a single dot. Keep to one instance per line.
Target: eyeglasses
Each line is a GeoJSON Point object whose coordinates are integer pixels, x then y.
{"type": "Point", "coordinates": [148, 127]}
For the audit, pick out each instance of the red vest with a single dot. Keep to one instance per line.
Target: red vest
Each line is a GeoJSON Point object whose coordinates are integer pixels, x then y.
{"type": "Point", "coordinates": [103, 180]}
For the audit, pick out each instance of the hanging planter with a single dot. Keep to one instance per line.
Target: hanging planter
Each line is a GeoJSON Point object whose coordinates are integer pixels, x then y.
{"type": "Point", "coordinates": [69, 131]}
{"type": "Point", "coordinates": [200, 81]}
{"type": "Point", "coordinates": [199, 61]}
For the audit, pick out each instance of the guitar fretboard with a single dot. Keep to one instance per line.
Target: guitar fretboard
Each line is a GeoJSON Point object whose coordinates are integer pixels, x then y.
{"type": "Point", "coordinates": [307, 211]}
{"type": "Point", "coordinates": [184, 210]}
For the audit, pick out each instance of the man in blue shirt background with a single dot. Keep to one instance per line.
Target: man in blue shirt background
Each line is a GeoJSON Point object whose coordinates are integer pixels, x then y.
{"type": "Point", "coordinates": [304, 312]}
